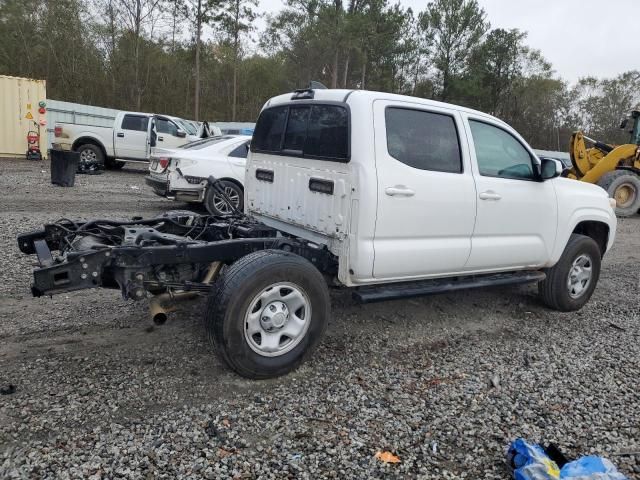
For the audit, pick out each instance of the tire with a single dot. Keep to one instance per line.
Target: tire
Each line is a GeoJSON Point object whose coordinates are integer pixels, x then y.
{"type": "Point", "coordinates": [624, 186]}
{"type": "Point", "coordinates": [214, 203]}
{"type": "Point", "coordinates": [558, 291]}
{"type": "Point", "coordinates": [91, 157]}
{"type": "Point", "coordinates": [247, 324]}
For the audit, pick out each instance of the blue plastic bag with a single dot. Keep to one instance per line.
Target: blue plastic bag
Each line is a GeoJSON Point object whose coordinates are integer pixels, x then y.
{"type": "Point", "coordinates": [530, 462]}
{"type": "Point", "coordinates": [591, 468]}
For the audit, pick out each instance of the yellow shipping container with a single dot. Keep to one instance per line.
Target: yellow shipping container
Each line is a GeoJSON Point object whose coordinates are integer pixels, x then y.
{"type": "Point", "coordinates": [19, 105]}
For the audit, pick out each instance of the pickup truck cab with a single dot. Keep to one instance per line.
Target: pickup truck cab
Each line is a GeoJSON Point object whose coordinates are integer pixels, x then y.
{"type": "Point", "coordinates": [388, 195]}
{"type": "Point", "coordinates": [127, 140]}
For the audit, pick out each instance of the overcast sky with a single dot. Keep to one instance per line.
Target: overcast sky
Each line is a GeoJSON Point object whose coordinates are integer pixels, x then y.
{"type": "Point", "coordinates": [579, 37]}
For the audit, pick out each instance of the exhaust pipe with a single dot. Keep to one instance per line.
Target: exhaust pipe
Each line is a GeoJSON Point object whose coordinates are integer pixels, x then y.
{"type": "Point", "coordinates": [161, 305]}
{"type": "Point", "coordinates": [164, 303]}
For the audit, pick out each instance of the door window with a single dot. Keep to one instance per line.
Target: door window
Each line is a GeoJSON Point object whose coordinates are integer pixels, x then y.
{"type": "Point", "coordinates": [500, 154]}
{"type": "Point", "coordinates": [423, 140]}
{"type": "Point", "coordinates": [166, 126]}
{"type": "Point", "coordinates": [135, 122]}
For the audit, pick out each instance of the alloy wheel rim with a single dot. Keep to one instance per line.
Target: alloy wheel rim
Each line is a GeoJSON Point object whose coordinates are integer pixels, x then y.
{"type": "Point", "coordinates": [579, 277]}
{"type": "Point", "coordinates": [221, 205]}
{"type": "Point", "coordinates": [88, 156]}
{"type": "Point", "coordinates": [277, 319]}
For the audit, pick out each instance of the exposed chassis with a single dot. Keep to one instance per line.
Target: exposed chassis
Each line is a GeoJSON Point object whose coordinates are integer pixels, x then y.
{"type": "Point", "coordinates": [171, 253]}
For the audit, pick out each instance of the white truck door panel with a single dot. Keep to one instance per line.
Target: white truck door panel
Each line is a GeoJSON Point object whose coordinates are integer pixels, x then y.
{"type": "Point", "coordinates": [130, 136]}
{"type": "Point", "coordinates": [167, 132]}
{"type": "Point", "coordinates": [517, 215]}
{"type": "Point", "coordinates": [426, 193]}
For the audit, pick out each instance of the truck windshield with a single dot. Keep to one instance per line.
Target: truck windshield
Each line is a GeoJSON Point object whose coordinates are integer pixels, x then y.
{"type": "Point", "coordinates": [186, 126]}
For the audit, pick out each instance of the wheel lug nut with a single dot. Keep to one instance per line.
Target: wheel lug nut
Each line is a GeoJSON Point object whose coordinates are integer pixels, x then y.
{"type": "Point", "coordinates": [272, 308]}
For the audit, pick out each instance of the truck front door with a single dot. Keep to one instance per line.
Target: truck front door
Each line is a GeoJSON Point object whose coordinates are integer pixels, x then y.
{"type": "Point", "coordinates": [426, 193]}
{"type": "Point", "coordinates": [169, 135]}
{"type": "Point", "coordinates": [517, 215]}
{"type": "Point", "coordinates": [130, 137]}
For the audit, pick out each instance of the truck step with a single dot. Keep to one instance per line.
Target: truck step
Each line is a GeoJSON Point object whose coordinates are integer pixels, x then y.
{"type": "Point", "coordinates": [392, 291]}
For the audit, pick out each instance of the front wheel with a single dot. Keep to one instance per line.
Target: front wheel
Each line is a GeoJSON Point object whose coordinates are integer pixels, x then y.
{"type": "Point", "coordinates": [267, 312]}
{"type": "Point", "coordinates": [571, 282]}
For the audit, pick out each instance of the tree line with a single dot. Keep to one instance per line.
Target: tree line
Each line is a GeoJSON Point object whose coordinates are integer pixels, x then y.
{"type": "Point", "coordinates": [208, 60]}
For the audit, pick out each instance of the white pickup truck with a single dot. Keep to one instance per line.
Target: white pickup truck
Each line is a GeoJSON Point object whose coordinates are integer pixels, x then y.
{"type": "Point", "coordinates": [390, 196]}
{"type": "Point", "coordinates": [127, 140]}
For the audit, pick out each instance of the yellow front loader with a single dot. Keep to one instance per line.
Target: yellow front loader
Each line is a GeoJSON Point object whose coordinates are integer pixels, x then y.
{"type": "Point", "coordinates": [614, 168]}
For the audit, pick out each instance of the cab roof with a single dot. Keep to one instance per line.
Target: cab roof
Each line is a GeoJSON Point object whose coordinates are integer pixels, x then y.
{"type": "Point", "coordinates": [367, 96]}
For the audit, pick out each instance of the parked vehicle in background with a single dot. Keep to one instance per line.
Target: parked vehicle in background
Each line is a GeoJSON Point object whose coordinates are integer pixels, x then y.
{"type": "Point", "coordinates": [236, 128]}
{"type": "Point", "coordinates": [127, 140]}
{"type": "Point", "coordinates": [181, 174]}
{"type": "Point", "coordinates": [562, 157]}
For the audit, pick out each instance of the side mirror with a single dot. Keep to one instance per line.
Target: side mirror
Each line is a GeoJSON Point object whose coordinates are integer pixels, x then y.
{"type": "Point", "coordinates": [623, 123]}
{"type": "Point", "coordinates": [550, 168]}
{"type": "Point", "coordinates": [181, 134]}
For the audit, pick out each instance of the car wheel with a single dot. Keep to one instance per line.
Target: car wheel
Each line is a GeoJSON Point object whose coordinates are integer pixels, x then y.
{"type": "Point", "coordinates": [216, 204]}
{"type": "Point", "coordinates": [571, 282]}
{"type": "Point", "coordinates": [624, 186]}
{"type": "Point", "coordinates": [91, 157]}
{"type": "Point", "coordinates": [267, 312]}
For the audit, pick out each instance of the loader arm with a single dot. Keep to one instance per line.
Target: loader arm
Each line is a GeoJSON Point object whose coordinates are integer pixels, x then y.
{"type": "Point", "coordinates": [584, 159]}
{"type": "Point", "coordinates": [610, 162]}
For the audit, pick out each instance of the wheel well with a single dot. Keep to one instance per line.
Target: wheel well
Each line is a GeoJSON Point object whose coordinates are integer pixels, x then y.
{"type": "Point", "coordinates": [232, 180]}
{"type": "Point", "coordinates": [89, 141]}
{"type": "Point", "coordinates": [597, 230]}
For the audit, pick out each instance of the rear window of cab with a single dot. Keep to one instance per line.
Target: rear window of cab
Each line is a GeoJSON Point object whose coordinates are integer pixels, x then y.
{"type": "Point", "coordinates": [316, 131]}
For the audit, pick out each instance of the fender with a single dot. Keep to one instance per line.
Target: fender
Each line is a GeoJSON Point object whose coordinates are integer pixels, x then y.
{"type": "Point", "coordinates": [582, 214]}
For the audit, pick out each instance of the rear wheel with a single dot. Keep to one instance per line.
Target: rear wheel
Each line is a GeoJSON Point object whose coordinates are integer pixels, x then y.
{"type": "Point", "coordinates": [571, 282]}
{"type": "Point", "coordinates": [216, 204]}
{"type": "Point", "coordinates": [267, 312]}
{"type": "Point", "coordinates": [624, 186]}
{"type": "Point", "coordinates": [91, 157]}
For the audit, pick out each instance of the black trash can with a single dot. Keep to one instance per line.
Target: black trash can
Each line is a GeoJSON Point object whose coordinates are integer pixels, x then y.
{"type": "Point", "coordinates": [64, 164]}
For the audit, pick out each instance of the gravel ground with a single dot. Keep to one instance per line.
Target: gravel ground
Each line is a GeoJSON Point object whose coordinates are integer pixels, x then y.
{"type": "Point", "coordinates": [444, 383]}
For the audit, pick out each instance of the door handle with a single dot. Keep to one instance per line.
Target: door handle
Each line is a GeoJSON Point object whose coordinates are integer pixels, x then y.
{"type": "Point", "coordinates": [489, 195]}
{"type": "Point", "coordinates": [120, 134]}
{"type": "Point", "coordinates": [399, 191]}
{"type": "Point", "coordinates": [160, 139]}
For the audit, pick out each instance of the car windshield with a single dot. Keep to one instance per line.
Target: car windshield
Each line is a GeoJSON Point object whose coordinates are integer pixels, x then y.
{"type": "Point", "coordinates": [204, 143]}
{"type": "Point", "coordinates": [186, 126]}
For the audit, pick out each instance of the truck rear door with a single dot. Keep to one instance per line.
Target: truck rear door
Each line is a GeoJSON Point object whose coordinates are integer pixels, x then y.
{"type": "Point", "coordinates": [130, 136]}
{"type": "Point", "coordinates": [426, 192]}
{"type": "Point", "coordinates": [298, 173]}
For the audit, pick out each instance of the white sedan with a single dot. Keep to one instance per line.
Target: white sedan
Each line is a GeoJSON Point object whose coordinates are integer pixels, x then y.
{"type": "Point", "coordinates": [181, 174]}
